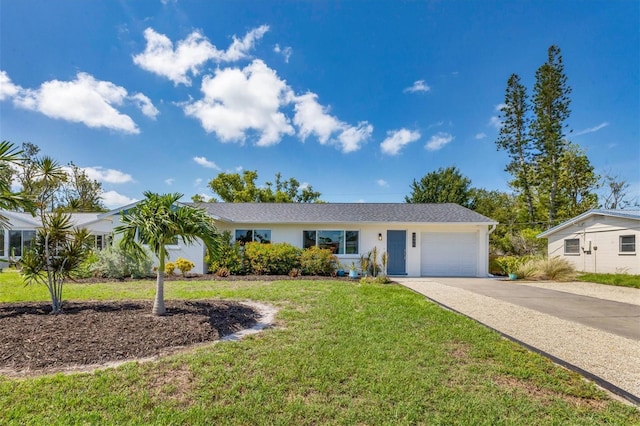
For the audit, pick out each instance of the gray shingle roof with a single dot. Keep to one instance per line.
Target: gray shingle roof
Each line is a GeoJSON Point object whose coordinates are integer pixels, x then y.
{"type": "Point", "coordinates": [342, 213]}
{"type": "Point", "coordinates": [625, 214]}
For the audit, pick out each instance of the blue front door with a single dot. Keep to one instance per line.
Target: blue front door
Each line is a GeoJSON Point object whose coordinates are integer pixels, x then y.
{"type": "Point", "coordinates": [397, 252]}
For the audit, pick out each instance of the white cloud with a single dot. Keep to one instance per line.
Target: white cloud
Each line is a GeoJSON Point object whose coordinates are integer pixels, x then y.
{"type": "Point", "coordinates": [438, 141]}
{"type": "Point", "coordinates": [397, 139]}
{"type": "Point", "coordinates": [418, 86]}
{"type": "Point", "coordinates": [169, 181]}
{"type": "Point", "coordinates": [592, 129]}
{"type": "Point", "coordinates": [480, 136]}
{"type": "Point", "coordinates": [236, 101]}
{"type": "Point", "coordinates": [84, 100]}
{"type": "Point", "coordinates": [314, 119]}
{"type": "Point", "coordinates": [206, 163]}
{"type": "Point", "coordinates": [190, 54]}
{"type": "Point", "coordinates": [145, 105]}
{"type": "Point", "coordinates": [383, 183]}
{"type": "Point", "coordinates": [107, 175]}
{"type": "Point", "coordinates": [499, 107]}
{"type": "Point", "coordinates": [113, 200]}
{"type": "Point", "coordinates": [239, 48]}
{"type": "Point", "coordinates": [285, 51]}
{"type": "Point", "coordinates": [7, 88]}
{"type": "Point", "coordinates": [495, 121]}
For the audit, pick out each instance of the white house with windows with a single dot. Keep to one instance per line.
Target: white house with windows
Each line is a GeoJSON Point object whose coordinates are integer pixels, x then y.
{"type": "Point", "coordinates": [22, 228]}
{"type": "Point", "coordinates": [420, 239]}
{"type": "Point", "coordinates": [598, 241]}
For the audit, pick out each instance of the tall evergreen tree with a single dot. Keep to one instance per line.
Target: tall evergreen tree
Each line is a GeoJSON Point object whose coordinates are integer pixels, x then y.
{"type": "Point", "coordinates": [514, 139]}
{"type": "Point", "coordinates": [551, 110]}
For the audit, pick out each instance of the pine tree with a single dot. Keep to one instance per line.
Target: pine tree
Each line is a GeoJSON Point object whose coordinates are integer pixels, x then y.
{"type": "Point", "coordinates": [551, 109]}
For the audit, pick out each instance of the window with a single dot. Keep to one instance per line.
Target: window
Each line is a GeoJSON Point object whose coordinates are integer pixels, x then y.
{"type": "Point", "coordinates": [249, 235]}
{"type": "Point", "coordinates": [572, 246]}
{"type": "Point", "coordinates": [20, 241]}
{"type": "Point", "coordinates": [627, 244]}
{"type": "Point", "coordinates": [2, 243]}
{"type": "Point", "coordinates": [339, 242]}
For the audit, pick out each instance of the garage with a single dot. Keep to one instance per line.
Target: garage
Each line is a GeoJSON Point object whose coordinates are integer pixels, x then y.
{"type": "Point", "coordinates": [449, 254]}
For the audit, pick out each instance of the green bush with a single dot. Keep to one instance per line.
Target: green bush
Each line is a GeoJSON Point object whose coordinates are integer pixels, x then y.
{"type": "Point", "coordinates": [509, 264]}
{"type": "Point", "coordinates": [271, 259]}
{"type": "Point", "coordinates": [85, 270]}
{"type": "Point", "coordinates": [113, 262]}
{"type": "Point", "coordinates": [229, 258]}
{"type": "Point", "coordinates": [318, 261]}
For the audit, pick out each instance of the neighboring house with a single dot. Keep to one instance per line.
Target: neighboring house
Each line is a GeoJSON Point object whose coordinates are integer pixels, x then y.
{"type": "Point", "coordinates": [22, 230]}
{"type": "Point", "coordinates": [420, 239]}
{"type": "Point", "coordinates": [598, 241]}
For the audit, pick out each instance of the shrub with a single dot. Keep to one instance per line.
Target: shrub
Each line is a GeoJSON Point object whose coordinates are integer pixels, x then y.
{"type": "Point", "coordinates": [295, 272]}
{"type": "Point", "coordinates": [229, 257]}
{"type": "Point", "coordinates": [529, 269]}
{"type": "Point", "coordinates": [184, 265]}
{"type": "Point", "coordinates": [556, 269]}
{"type": "Point", "coordinates": [222, 272]}
{"type": "Point", "coordinates": [509, 264]}
{"type": "Point", "coordinates": [114, 262]}
{"type": "Point", "coordinates": [271, 259]}
{"type": "Point", "coordinates": [86, 268]}
{"type": "Point", "coordinates": [169, 268]}
{"type": "Point", "coordinates": [318, 261]}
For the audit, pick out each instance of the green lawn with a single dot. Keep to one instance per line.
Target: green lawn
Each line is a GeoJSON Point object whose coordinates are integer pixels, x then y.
{"type": "Point", "coordinates": [622, 280]}
{"type": "Point", "coordinates": [342, 353]}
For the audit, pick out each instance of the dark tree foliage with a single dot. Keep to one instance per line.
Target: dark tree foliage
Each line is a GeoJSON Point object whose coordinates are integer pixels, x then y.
{"type": "Point", "coordinates": [234, 188]}
{"type": "Point", "coordinates": [446, 185]}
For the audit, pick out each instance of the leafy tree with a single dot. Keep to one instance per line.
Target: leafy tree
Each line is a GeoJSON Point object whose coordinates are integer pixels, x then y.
{"type": "Point", "coordinates": [577, 183]}
{"type": "Point", "coordinates": [158, 220]}
{"type": "Point", "coordinates": [234, 188]}
{"type": "Point", "coordinates": [551, 108]}
{"type": "Point", "coordinates": [56, 255]}
{"type": "Point", "coordinates": [446, 185]}
{"type": "Point", "coordinates": [80, 193]}
{"type": "Point", "coordinates": [514, 139]}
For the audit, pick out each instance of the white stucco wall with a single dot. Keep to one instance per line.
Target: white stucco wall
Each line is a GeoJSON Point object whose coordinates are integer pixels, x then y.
{"type": "Point", "coordinates": [368, 234]}
{"type": "Point", "coordinates": [603, 233]}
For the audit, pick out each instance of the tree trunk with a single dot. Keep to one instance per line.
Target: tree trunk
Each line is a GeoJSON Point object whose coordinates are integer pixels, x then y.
{"type": "Point", "coordinates": [158, 305]}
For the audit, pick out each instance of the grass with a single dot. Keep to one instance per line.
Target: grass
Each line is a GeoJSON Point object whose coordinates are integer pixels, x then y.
{"type": "Point", "coordinates": [341, 353]}
{"type": "Point", "coordinates": [622, 280]}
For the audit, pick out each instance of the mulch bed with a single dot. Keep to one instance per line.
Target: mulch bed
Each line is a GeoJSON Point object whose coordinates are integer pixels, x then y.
{"type": "Point", "coordinates": [89, 333]}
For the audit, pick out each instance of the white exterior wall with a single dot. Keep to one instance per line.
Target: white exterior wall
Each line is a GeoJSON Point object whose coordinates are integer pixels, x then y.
{"type": "Point", "coordinates": [604, 233]}
{"type": "Point", "coordinates": [368, 234]}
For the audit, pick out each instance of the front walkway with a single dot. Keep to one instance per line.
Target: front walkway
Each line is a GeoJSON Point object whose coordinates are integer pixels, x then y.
{"type": "Point", "coordinates": [593, 329]}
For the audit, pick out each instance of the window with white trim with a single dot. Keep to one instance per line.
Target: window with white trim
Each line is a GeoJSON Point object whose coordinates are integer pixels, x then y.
{"type": "Point", "coordinates": [338, 241]}
{"type": "Point", "coordinates": [572, 246]}
{"type": "Point", "coordinates": [253, 235]}
{"type": "Point", "coordinates": [627, 244]}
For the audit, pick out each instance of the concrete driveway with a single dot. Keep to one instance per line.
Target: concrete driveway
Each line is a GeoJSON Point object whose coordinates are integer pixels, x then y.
{"type": "Point", "coordinates": [591, 328]}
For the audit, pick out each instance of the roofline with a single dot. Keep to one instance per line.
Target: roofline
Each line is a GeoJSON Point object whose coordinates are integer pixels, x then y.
{"type": "Point", "coordinates": [356, 222]}
{"type": "Point", "coordinates": [588, 213]}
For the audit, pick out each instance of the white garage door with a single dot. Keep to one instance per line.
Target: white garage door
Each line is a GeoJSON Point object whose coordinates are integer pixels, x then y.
{"type": "Point", "coordinates": [449, 254]}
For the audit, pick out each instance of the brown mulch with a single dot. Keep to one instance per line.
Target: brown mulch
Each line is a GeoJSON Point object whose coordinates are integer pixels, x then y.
{"type": "Point", "coordinates": [90, 333]}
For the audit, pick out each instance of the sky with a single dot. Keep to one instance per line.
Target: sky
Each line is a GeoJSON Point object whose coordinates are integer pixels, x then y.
{"type": "Point", "coordinates": [356, 98]}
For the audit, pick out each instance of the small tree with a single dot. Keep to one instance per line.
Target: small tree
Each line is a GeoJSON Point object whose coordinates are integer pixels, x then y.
{"type": "Point", "coordinates": [56, 255]}
{"type": "Point", "coordinates": [158, 220]}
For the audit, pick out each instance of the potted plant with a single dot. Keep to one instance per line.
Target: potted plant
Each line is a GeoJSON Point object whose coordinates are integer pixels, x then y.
{"type": "Point", "coordinates": [353, 271]}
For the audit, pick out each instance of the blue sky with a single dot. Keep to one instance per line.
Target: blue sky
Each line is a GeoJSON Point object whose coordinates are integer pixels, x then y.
{"type": "Point", "coordinates": [356, 98]}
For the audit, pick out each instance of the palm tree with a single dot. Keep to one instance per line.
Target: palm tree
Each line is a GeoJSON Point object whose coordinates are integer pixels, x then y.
{"type": "Point", "coordinates": [56, 254]}
{"type": "Point", "coordinates": [157, 221]}
{"type": "Point", "coordinates": [10, 200]}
